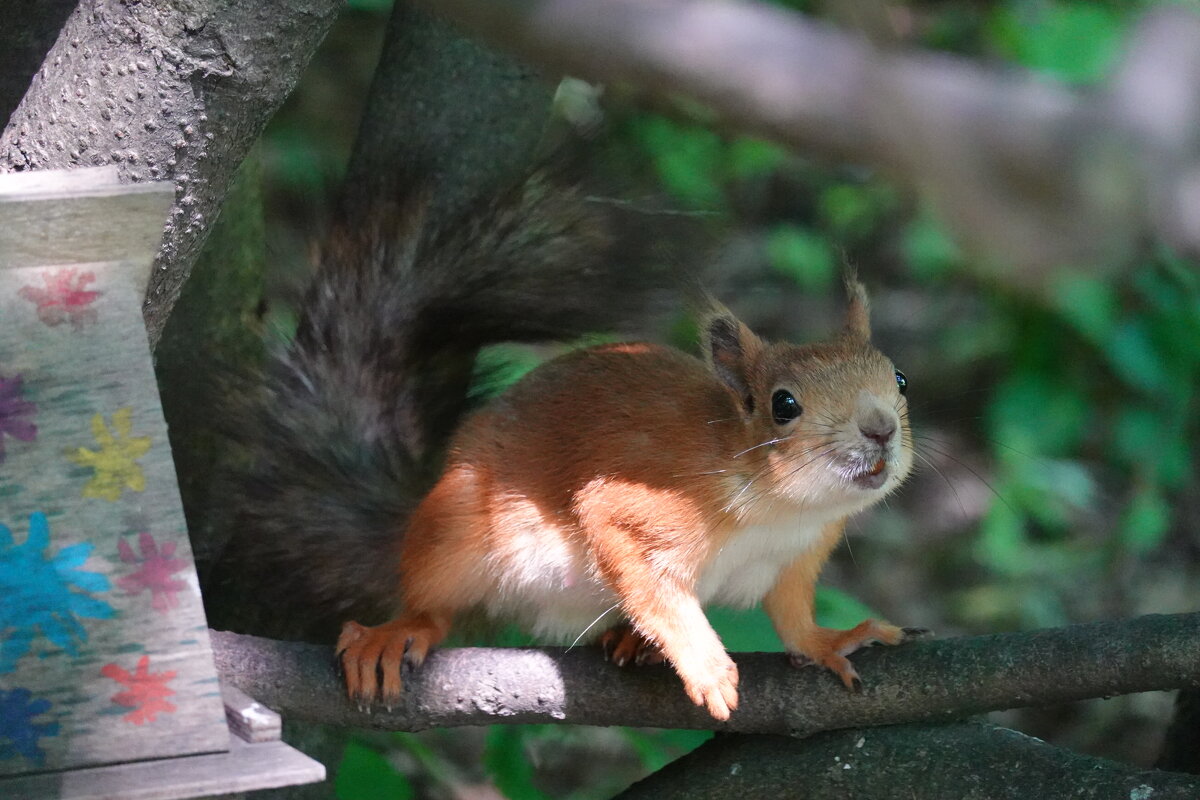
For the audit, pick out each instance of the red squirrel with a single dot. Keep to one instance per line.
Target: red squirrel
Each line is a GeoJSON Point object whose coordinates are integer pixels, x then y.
{"type": "Point", "coordinates": [623, 484]}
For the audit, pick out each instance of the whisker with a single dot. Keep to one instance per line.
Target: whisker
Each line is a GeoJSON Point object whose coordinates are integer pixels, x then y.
{"type": "Point", "coordinates": [942, 475]}
{"type": "Point", "coordinates": [603, 614]}
{"type": "Point", "coordinates": [693, 474]}
{"type": "Point", "coordinates": [733, 502]}
{"type": "Point", "coordinates": [763, 444]}
{"type": "Point", "coordinates": [971, 470]}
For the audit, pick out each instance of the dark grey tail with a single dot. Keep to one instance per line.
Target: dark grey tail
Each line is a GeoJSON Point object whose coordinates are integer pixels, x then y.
{"type": "Point", "coordinates": [347, 431]}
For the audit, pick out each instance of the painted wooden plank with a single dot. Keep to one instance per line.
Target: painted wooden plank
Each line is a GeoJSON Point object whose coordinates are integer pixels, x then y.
{"type": "Point", "coordinates": [104, 652]}
{"type": "Point", "coordinates": [246, 767]}
{"type": "Point", "coordinates": [52, 225]}
{"type": "Point", "coordinates": [58, 180]}
{"type": "Point", "coordinates": [248, 718]}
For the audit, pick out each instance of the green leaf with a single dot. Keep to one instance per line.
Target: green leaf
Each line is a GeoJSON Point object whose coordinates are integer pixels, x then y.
{"type": "Point", "coordinates": [1088, 304]}
{"type": "Point", "coordinates": [500, 366]}
{"type": "Point", "coordinates": [743, 630]}
{"type": "Point", "coordinates": [836, 609]}
{"type": "Point", "coordinates": [848, 210]}
{"type": "Point", "coordinates": [749, 158]}
{"type": "Point", "coordinates": [1134, 358]}
{"type": "Point", "coordinates": [1075, 41]}
{"type": "Point", "coordinates": [686, 158]}
{"type": "Point", "coordinates": [928, 251]}
{"type": "Point", "coordinates": [803, 255]}
{"type": "Point", "coordinates": [1155, 444]}
{"type": "Point", "coordinates": [507, 761]}
{"type": "Point", "coordinates": [365, 774]}
{"type": "Point", "coordinates": [1002, 544]}
{"type": "Point", "coordinates": [1038, 413]}
{"type": "Point", "coordinates": [1146, 521]}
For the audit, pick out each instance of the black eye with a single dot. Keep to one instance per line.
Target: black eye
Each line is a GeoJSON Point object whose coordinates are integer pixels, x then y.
{"type": "Point", "coordinates": [784, 407]}
{"type": "Point", "coordinates": [902, 382]}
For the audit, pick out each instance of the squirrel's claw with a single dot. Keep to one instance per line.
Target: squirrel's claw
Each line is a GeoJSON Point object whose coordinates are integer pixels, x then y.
{"type": "Point", "coordinates": [376, 660]}
{"type": "Point", "coordinates": [623, 645]}
{"type": "Point", "coordinates": [912, 634]}
{"type": "Point", "coordinates": [829, 647]}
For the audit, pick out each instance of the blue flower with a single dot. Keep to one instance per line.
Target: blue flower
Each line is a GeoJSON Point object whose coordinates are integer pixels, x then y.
{"type": "Point", "coordinates": [44, 594]}
{"type": "Point", "coordinates": [19, 734]}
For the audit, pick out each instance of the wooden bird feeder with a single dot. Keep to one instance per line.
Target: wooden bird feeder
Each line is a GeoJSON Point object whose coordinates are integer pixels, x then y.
{"type": "Point", "coordinates": [107, 683]}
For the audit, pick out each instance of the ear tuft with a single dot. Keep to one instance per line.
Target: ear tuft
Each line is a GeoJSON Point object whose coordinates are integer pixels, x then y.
{"type": "Point", "coordinates": [730, 350]}
{"type": "Point", "coordinates": [858, 310]}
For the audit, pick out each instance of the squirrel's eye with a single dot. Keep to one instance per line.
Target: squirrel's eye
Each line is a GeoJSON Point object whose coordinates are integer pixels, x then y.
{"type": "Point", "coordinates": [901, 382]}
{"type": "Point", "coordinates": [784, 407]}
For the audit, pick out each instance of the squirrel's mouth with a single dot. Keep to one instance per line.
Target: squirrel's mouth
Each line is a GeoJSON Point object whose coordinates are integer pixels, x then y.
{"type": "Point", "coordinates": [871, 477]}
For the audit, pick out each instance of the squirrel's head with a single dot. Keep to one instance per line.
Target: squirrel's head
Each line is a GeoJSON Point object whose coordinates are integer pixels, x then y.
{"type": "Point", "coordinates": [826, 424]}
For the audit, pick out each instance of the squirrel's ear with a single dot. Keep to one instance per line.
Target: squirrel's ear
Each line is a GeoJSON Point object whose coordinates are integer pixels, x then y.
{"type": "Point", "coordinates": [730, 348]}
{"type": "Point", "coordinates": [858, 311]}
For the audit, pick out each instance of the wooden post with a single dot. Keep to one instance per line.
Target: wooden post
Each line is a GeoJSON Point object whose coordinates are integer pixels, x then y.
{"type": "Point", "coordinates": [104, 650]}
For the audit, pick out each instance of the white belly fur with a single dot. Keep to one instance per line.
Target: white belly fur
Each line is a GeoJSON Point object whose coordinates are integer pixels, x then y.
{"type": "Point", "coordinates": [747, 566]}
{"type": "Point", "coordinates": [544, 580]}
{"type": "Point", "coordinates": [546, 583]}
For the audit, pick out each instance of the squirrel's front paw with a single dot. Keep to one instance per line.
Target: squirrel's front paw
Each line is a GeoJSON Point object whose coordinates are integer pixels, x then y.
{"type": "Point", "coordinates": [372, 658]}
{"type": "Point", "coordinates": [715, 687]}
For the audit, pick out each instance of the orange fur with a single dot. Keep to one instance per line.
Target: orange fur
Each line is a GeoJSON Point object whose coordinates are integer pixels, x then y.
{"type": "Point", "coordinates": [635, 480]}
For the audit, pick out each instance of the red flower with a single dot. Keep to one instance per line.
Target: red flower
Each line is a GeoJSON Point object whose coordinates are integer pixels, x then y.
{"type": "Point", "coordinates": [64, 298]}
{"type": "Point", "coordinates": [156, 572]}
{"type": "Point", "coordinates": [147, 691]}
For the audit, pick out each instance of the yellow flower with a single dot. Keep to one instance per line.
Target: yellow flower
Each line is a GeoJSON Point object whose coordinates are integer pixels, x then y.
{"type": "Point", "coordinates": [116, 461]}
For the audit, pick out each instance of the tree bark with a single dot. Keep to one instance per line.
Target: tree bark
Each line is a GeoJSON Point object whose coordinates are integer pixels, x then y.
{"type": "Point", "coordinates": [966, 761]}
{"type": "Point", "coordinates": [937, 680]}
{"type": "Point", "coordinates": [173, 91]}
{"type": "Point", "coordinates": [468, 115]}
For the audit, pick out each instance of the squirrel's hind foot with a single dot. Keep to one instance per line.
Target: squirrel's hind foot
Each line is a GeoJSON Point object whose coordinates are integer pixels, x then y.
{"type": "Point", "coordinates": [623, 645]}
{"type": "Point", "coordinates": [373, 658]}
{"type": "Point", "coordinates": [828, 647]}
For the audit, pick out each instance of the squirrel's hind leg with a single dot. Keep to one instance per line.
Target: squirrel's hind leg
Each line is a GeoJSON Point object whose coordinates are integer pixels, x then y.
{"type": "Point", "coordinates": [373, 658]}
{"type": "Point", "coordinates": [623, 645]}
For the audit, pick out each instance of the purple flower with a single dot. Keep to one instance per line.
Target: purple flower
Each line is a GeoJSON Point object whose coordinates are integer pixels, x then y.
{"type": "Point", "coordinates": [16, 413]}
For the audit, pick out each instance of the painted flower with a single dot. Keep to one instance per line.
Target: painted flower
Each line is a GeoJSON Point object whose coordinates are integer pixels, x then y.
{"type": "Point", "coordinates": [115, 462]}
{"type": "Point", "coordinates": [145, 692]}
{"type": "Point", "coordinates": [16, 413]}
{"type": "Point", "coordinates": [45, 593]}
{"type": "Point", "coordinates": [19, 734]}
{"type": "Point", "coordinates": [156, 571]}
{"type": "Point", "coordinates": [63, 297]}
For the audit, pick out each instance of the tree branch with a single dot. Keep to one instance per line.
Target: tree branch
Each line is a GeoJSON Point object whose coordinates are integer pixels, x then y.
{"type": "Point", "coordinates": [935, 680]}
{"type": "Point", "coordinates": [968, 761]}
{"type": "Point", "coordinates": [167, 91]}
{"type": "Point", "coordinates": [1025, 169]}
{"type": "Point", "coordinates": [469, 116]}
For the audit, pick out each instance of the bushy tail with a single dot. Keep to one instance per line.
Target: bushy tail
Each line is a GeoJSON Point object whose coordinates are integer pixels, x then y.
{"type": "Point", "coordinates": [347, 430]}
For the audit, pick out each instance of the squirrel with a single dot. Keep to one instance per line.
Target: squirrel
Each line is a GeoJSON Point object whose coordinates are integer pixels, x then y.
{"type": "Point", "coordinates": [625, 479]}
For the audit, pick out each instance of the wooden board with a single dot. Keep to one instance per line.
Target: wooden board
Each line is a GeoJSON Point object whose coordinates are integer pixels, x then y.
{"type": "Point", "coordinates": [104, 651]}
{"type": "Point", "coordinates": [246, 767]}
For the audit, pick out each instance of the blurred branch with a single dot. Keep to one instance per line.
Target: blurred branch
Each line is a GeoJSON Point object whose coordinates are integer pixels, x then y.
{"type": "Point", "coordinates": [968, 761]}
{"type": "Point", "coordinates": [166, 91]}
{"type": "Point", "coordinates": [1026, 169]}
{"type": "Point", "coordinates": [935, 680]}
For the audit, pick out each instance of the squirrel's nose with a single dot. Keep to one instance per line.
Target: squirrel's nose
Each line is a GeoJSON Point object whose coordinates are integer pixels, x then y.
{"type": "Point", "coordinates": [880, 432]}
